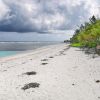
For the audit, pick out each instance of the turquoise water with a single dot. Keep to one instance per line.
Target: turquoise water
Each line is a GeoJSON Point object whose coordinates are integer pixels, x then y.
{"type": "Point", "coordinates": [7, 53]}
{"type": "Point", "coordinates": [12, 48]}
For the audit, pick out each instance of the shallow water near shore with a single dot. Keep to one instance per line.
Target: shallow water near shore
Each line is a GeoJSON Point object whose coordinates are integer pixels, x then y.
{"type": "Point", "coordinates": [12, 48]}
{"type": "Point", "coordinates": [7, 53]}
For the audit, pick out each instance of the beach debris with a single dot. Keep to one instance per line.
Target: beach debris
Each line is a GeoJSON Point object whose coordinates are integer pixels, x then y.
{"type": "Point", "coordinates": [30, 85]}
{"type": "Point", "coordinates": [51, 57]}
{"type": "Point", "coordinates": [73, 84]}
{"type": "Point", "coordinates": [97, 81]}
{"type": "Point", "coordinates": [30, 73]}
{"type": "Point", "coordinates": [44, 63]}
{"type": "Point", "coordinates": [44, 60]}
{"type": "Point", "coordinates": [98, 97]}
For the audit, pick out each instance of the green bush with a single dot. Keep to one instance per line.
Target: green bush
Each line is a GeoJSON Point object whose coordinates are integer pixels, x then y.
{"type": "Point", "coordinates": [76, 45]}
{"type": "Point", "coordinates": [88, 35]}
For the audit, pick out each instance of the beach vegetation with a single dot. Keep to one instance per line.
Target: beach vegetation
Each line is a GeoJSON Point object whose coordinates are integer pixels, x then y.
{"type": "Point", "coordinates": [88, 34]}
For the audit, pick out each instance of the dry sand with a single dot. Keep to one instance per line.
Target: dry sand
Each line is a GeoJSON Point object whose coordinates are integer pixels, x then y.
{"type": "Point", "coordinates": [50, 73]}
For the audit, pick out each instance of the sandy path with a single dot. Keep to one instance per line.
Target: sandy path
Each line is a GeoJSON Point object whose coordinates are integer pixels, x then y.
{"type": "Point", "coordinates": [63, 74]}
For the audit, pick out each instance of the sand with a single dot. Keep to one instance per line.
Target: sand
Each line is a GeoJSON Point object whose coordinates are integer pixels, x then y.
{"type": "Point", "coordinates": [54, 72]}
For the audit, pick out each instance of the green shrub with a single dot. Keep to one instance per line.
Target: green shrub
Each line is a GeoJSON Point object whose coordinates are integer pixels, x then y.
{"type": "Point", "coordinates": [88, 35]}
{"type": "Point", "coordinates": [76, 45]}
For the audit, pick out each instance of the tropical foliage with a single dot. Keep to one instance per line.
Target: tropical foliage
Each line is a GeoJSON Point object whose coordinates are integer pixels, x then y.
{"type": "Point", "coordinates": [88, 34]}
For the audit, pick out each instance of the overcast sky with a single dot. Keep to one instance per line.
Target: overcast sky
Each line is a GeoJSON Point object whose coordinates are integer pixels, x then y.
{"type": "Point", "coordinates": [38, 16]}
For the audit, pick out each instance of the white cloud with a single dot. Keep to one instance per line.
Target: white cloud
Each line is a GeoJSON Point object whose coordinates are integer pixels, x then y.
{"type": "Point", "coordinates": [3, 10]}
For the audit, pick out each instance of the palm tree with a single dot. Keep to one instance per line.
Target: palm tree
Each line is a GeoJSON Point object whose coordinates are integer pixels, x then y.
{"type": "Point", "coordinates": [93, 19]}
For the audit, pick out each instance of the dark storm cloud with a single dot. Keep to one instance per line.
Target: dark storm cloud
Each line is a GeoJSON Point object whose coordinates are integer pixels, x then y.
{"type": "Point", "coordinates": [44, 15]}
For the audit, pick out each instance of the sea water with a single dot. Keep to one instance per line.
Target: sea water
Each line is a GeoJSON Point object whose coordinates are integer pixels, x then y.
{"type": "Point", "coordinates": [7, 53]}
{"type": "Point", "coordinates": [12, 48]}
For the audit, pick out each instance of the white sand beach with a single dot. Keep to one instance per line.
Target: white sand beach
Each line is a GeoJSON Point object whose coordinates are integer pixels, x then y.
{"type": "Point", "coordinates": [60, 72]}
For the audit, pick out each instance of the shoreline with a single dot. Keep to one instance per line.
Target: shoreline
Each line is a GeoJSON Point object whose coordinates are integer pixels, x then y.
{"type": "Point", "coordinates": [51, 73]}
{"type": "Point", "coordinates": [23, 53]}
